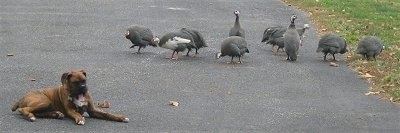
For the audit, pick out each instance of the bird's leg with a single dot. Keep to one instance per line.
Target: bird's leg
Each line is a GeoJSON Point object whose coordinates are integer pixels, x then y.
{"type": "Point", "coordinates": [301, 42]}
{"type": "Point", "coordinates": [334, 59]}
{"type": "Point", "coordinates": [175, 58]}
{"type": "Point", "coordinates": [196, 53]}
{"type": "Point", "coordinates": [171, 56]}
{"type": "Point", "coordinates": [187, 54]}
{"type": "Point", "coordinates": [325, 56]}
{"type": "Point", "coordinates": [287, 58]}
{"type": "Point", "coordinates": [138, 52]}
{"type": "Point", "coordinates": [231, 60]}
{"type": "Point", "coordinates": [272, 48]}
{"type": "Point", "coordinates": [240, 62]}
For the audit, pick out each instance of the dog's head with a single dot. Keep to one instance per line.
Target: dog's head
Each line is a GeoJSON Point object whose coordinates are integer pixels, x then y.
{"type": "Point", "coordinates": [75, 84]}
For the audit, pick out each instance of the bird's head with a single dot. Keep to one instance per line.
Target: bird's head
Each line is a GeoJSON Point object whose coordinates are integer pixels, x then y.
{"type": "Point", "coordinates": [155, 41]}
{"type": "Point", "coordinates": [294, 17]}
{"type": "Point", "coordinates": [127, 34]}
{"type": "Point", "coordinates": [236, 12]}
{"type": "Point", "coordinates": [218, 55]}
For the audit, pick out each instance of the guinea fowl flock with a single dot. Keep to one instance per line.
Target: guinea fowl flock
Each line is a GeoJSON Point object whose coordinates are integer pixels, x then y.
{"type": "Point", "coordinates": [287, 38]}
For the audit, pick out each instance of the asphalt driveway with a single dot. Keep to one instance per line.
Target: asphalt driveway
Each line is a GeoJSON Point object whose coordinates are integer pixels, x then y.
{"type": "Point", "coordinates": [264, 94]}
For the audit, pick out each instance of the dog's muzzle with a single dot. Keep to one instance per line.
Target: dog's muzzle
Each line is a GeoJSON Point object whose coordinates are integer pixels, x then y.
{"type": "Point", "coordinates": [82, 89]}
{"type": "Point", "coordinates": [79, 99]}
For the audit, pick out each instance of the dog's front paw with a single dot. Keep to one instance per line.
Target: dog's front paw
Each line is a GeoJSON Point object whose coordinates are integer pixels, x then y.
{"type": "Point", "coordinates": [59, 115]}
{"type": "Point", "coordinates": [32, 119]}
{"type": "Point", "coordinates": [126, 120]}
{"type": "Point", "coordinates": [80, 121]}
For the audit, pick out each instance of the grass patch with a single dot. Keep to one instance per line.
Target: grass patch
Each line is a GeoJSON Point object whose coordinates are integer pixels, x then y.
{"type": "Point", "coordinates": [354, 19]}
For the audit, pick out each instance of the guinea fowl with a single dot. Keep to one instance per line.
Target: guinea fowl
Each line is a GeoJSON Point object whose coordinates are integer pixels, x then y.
{"type": "Point", "coordinates": [274, 36]}
{"type": "Point", "coordinates": [237, 30]}
{"type": "Point", "coordinates": [233, 46]}
{"type": "Point", "coordinates": [197, 39]}
{"type": "Point", "coordinates": [141, 36]}
{"type": "Point", "coordinates": [291, 40]}
{"type": "Point", "coordinates": [269, 32]}
{"type": "Point", "coordinates": [332, 44]}
{"type": "Point", "coordinates": [176, 41]}
{"type": "Point", "coordinates": [302, 31]}
{"type": "Point", "coordinates": [370, 46]}
{"type": "Point", "coordinates": [276, 39]}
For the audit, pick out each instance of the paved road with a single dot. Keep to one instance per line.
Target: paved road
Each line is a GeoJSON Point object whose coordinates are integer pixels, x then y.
{"type": "Point", "coordinates": [264, 94]}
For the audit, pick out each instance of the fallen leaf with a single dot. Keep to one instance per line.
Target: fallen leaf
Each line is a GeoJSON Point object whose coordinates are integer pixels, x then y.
{"type": "Point", "coordinates": [32, 79]}
{"type": "Point", "coordinates": [104, 104]}
{"type": "Point", "coordinates": [372, 93]}
{"type": "Point", "coordinates": [367, 75]}
{"type": "Point", "coordinates": [323, 29]}
{"type": "Point", "coordinates": [174, 103]}
{"type": "Point", "coordinates": [10, 54]}
{"type": "Point", "coordinates": [333, 64]}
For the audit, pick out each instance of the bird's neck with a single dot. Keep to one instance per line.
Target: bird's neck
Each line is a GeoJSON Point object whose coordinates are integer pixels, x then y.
{"type": "Point", "coordinates": [237, 20]}
{"type": "Point", "coordinates": [292, 25]}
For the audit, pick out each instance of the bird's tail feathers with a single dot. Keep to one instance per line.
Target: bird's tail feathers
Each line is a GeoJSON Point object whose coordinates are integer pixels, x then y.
{"type": "Point", "coordinates": [319, 50]}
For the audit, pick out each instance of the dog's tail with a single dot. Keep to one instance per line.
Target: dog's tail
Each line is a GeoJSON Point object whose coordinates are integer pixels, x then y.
{"type": "Point", "coordinates": [15, 107]}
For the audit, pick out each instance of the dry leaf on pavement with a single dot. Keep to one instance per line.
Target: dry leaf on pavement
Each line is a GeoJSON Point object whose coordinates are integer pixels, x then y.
{"type": "Point", "coordinates": [174, 103]}
{"type": "Point", "coordinates": [333, 64]}
{"type": "Point", "coordinates": [104, 104]}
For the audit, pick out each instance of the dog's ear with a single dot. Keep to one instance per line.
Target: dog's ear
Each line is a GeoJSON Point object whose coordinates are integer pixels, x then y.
{"type": "Point", "coordinates": [83, 72]}
{"type": "Point", "coordinates": [64, 78]}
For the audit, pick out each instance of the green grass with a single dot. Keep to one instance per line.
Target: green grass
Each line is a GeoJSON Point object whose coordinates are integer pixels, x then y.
{"type": "Point", "coordinates": [355, 19]}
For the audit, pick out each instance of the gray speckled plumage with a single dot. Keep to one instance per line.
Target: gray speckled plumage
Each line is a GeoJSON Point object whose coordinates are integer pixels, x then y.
{"type": "Point", "coordinates": [270, 32]}
{"type": "Point", "coordinates": [332, 44]}
{"type": "Point", "coordinates": [197, 39]}
{"type": "Point", "coordinates": [176, 41]}
{"type": "Point", "coordinates": [274, 35]}
{"type": "Point", "coordinates": [291, 40]}
{"type": "Point", "coordinates": [233, 46]}
{"type": "Point", "coordinates": [237, 30]}
{"type": "Point", "coordinates": [370, 46]}
{"type": "Point", "coordinates": [141, 36]}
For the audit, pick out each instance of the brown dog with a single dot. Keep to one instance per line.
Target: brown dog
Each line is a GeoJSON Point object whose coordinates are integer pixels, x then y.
{"type": "Point", "coordinates": [72, 99]}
